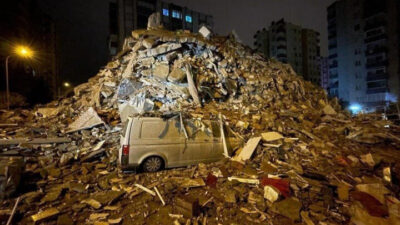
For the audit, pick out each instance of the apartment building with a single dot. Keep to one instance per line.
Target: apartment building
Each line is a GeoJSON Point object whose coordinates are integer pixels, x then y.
{"type": "Point", "coordinates": [128, 15]}
{"type": "Point", "coordinates": [364, 52]}
{"type": "Point", "coordinates": [290, 43]}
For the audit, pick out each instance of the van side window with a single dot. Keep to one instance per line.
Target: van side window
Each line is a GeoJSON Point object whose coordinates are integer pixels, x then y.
{"type": "Point", "coordinates": [161, 129]}
{"type": "Point", "coordinates": [171, 130]}
{"type": "Point", "coordinates": [195, 130]}
{"type": "Point", "coordinates": [152, 129]}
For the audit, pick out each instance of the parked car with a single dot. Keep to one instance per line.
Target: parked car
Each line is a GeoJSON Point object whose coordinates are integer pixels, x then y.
{"type": "Point", "coordinates": [152, 143]}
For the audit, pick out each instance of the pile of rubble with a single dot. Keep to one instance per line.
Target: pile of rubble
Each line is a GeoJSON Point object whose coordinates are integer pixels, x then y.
{"type": "Point", "coordinates": [305, 160]}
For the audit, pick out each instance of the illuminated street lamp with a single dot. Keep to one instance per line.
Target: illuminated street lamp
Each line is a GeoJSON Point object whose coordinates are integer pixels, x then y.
{"type": "Point", "coordinates": [23, 52]}
{"type": "Point", "coordinates": [67, 85]}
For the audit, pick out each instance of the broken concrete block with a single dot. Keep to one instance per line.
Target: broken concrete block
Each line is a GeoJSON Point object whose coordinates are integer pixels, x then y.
{"type": "Point", "coordinates": [367, 159]}
{"type": "Point", "coordinates": [148, 42]}
{"type": "Point", "coordinates": [377, 190]}
{"type": "Point", "coordinates": [289, 207]}
{"type": "Point", "coordinates": [46, 214]}
{"type": "Point", "coordinates": [271, 136]}
{"type": "Point", "coordinates": [95, 204]}
{"type": "Point", "coordinates": [98, 216]}
{"type": "Point", "coordinates": [328, 110]}
{"type": "Point", "coordinates": [187, 207]}
{"type": "Point", "coordinates": [48, 112]}
{"type": "Point", "coordinates": [205, 32]}
{"type": "Point", "coordinates": [161, 70]}
{"type": "Point", "coordinates": [154, 21]}
{"type": "Point", "coordinates": [176, 75]}
{"type": "Point", "coordinates": [271, 194]}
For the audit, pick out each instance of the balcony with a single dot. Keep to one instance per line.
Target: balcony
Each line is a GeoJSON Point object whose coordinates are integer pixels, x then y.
{"type": "Point", "coordinates": [374, 63]}
{"type": "Point", "coordinates": [375, 24]}
{"type": "Point", "coordinates": [333, 56]}
{"type": "Point", "coordinates": [281, 55]}
{"type": "Point", "coordinates": [377, 90]}
{"type": "Point", "coordinates": [331, 14]}
{"type": "Point", "coordinates": [281, 29]}
{"type": "Point", "coordinates": [281, 47]}
{"type": "Point", "coordinates": [376, 38]}
{"type": "Point", "coordinates": [375, 51]}
{"type": "Point", "coordinates": [334, 65]}
{"type": "Point", "coordinates": [281, 39]}
{"type": "Point", "coordinates": [375, 76]}
{"type": "Point", "coordinates": [332, 26]}
{"type": "Point", "coordinates": [333, 76]}
{"type": "Point", "coordinates": [375, 8]}
{"type": "Point", "coordinates": [334, 85]}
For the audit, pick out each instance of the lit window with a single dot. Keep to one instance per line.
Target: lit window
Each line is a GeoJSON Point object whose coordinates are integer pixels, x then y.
{"type": "Point", "coordinates": [165, 12]}
{"type": "Point", "coordinates": [176, 14]}
{"type": "Point", "coordinates": [188, 18]}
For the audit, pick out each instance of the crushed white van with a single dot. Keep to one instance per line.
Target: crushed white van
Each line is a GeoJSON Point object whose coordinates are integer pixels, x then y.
{"type": "Point", "coordinates": [152, 143]}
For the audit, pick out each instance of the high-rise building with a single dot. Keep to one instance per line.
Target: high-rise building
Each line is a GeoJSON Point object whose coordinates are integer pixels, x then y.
{"type": "Point", "coordinates": [285, 44]}
{"type": "Point", "coordinates": [176, 17]}
{"type": "Point", "coordinates": [128, 15]}
{"type": "Point", "coordinates": [311, 54]}
{"type": "Point", "coordinates": [291, 44]}
{"type": "Point", "coordinates": [364, 52]}
{"type": "Point", "coordinates": [324, 68]}
{"type": "Point", "coordinates": [261, 42]}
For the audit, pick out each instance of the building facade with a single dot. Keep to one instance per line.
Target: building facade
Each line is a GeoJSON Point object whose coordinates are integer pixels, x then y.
{"type": "Point", "coordinates": [324, 68]}
{"type": "Point", "coordinates": [289, 43]}
{"type": "Point", "coordinates": [176, 17]}
{"type": "Point", "coordinates": [364, 52]}
{"type": "Point", "coordinates": [261, 42]}
{"type": "Point", "coordinates": [128, 15]}
{"type": "Point", "coordinates": [285, 44]}
{"type": "Point", "coordinates": [311, 56]}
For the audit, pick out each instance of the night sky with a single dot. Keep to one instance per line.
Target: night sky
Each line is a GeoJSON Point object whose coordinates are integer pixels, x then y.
{"type": "Point", "coordinates": [248, 16]}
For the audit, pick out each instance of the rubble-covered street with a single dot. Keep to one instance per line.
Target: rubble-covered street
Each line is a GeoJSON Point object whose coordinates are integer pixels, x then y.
{"type": "Point", "coordinates": [304, 161]}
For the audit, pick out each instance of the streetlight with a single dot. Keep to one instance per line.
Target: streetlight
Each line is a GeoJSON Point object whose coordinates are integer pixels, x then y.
{"type": "Point", "coordinates": [21, 51]}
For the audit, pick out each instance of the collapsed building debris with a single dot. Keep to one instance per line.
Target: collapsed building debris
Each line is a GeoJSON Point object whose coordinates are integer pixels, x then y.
{"type": "Point", "coordinates": [305, 161]}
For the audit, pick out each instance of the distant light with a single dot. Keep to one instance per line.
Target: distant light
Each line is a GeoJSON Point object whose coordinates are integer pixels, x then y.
{"type": "Point", "coordinates": [165, 12]}
{"type": "Point", "coordinates": [355, 108]}
{"type": "Point", "coordinates": [188, 18]}
{"type": "Point", "coordinates": [66, 84]}
{"type": "Point", "coordinates": [23, 51]}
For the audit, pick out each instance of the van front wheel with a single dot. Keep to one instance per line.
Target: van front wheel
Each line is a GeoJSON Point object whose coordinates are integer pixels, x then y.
{"type": "Point", "coordinates": [152, 164]}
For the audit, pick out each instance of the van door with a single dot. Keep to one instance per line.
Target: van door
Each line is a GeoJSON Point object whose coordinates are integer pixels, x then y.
{"type": "Point", "coordinates": [165, 138]}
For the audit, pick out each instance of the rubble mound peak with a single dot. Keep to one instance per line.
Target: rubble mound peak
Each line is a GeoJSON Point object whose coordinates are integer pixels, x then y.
{"type": "Point", "coordinates": [161, 71]}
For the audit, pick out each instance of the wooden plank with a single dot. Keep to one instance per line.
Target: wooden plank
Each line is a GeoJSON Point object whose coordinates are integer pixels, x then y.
{"type": "Point", "coordinates": [17, 141]}
{"type": "Point", "coordinates": [8, 125]}
{"type": "Point", "coordinates": [248, 149]}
